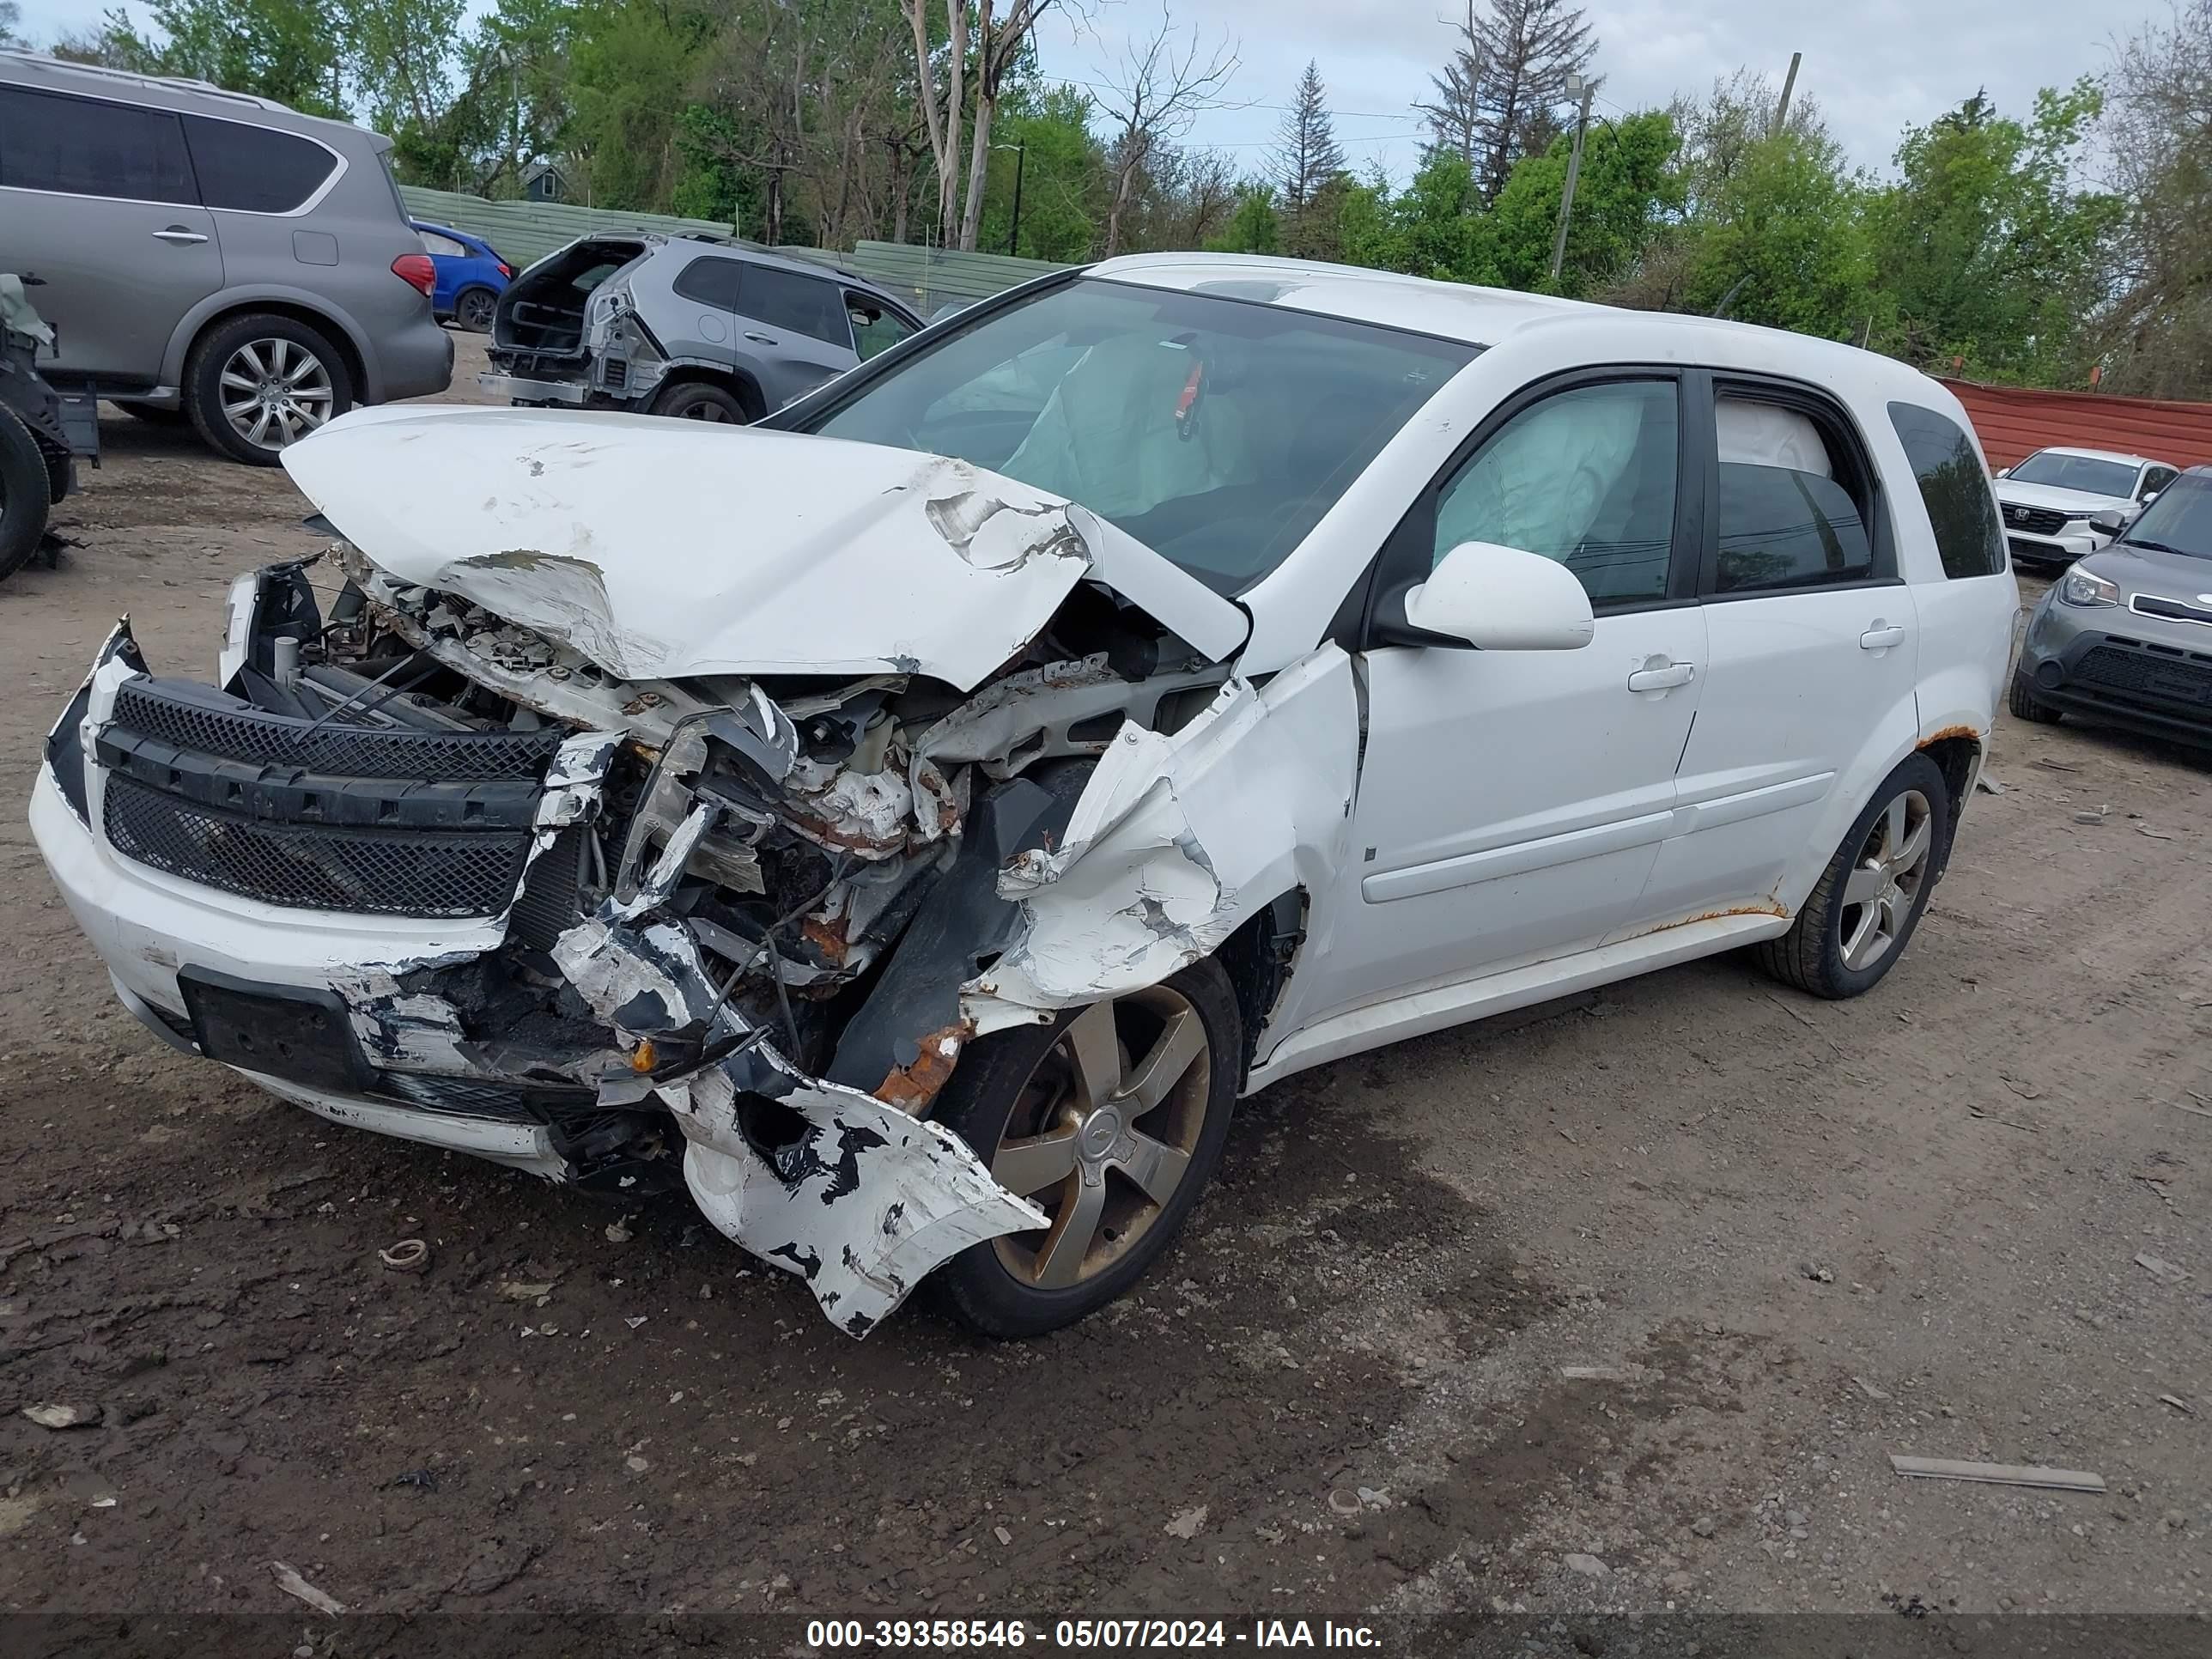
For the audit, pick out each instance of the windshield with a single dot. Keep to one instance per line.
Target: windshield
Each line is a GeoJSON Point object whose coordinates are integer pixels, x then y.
{"type": "Point", "coordinates": [2082, 472]}
{"type": "Point", "coordinates": [2179, 521]}
{"type": "Point", "coordinates": [1216, 431]}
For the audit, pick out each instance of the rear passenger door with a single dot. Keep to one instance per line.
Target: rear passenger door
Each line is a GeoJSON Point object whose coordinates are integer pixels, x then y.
{"type": "Point", "coordinates": [99, 200]}
{"type": "Point", "coordinates": [797, 326]}
{"type": "Point", "coordinates": [1811, 641]}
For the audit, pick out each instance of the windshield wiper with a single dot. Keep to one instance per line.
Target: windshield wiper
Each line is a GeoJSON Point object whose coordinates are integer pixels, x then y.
{"type": "Point", "coordinates": [2155, 547]}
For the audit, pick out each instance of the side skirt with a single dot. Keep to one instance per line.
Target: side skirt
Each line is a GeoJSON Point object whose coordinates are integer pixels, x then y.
{"type": "Point", "coordinates": [1416, 1013]}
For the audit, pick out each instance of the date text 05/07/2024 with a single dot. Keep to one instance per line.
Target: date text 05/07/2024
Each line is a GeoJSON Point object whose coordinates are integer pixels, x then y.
{"type": "Point", "coordinates": [1073, 1635]}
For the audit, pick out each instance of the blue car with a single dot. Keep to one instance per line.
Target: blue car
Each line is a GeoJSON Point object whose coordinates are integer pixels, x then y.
{"type": "Point", "coordinates": [471, 276]}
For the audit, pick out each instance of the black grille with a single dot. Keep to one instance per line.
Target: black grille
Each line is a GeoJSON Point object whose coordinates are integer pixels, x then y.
{"type": "Point", "coordinates": [2038, 521]}
{"type": "Point", "coordinates": [177, 715]}
{"type": "Point", "coordinates": [461, 1097]}
{"type": "Point", "coordinates": [409, 872]}
{"type": "Point", "coordinates": [2141, 673]}
{"type": "Point", "coordinates": [2146, 604]}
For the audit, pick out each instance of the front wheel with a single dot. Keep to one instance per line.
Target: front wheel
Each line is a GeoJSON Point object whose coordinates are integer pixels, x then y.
{"type": "Point", "coordinates": [1861, 912]}
{"type": "Point", "coordinates": [1111, 1120]}
{"type": "Point", "coordinates": [2021, 698]}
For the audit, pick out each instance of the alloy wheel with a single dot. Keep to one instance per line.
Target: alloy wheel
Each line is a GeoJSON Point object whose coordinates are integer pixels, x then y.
{"type": "Point", "coordinates": [476, 308]}
{"type": "Point", "coordinates": [275, 392]}
{"type": "Point", "coordinates": [1103, 1134]}
{"type": "Point", "coordinates": [1886, 880]}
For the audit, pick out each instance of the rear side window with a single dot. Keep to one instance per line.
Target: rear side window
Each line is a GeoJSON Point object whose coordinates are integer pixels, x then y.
{"type": "Point", "coordinates": [443, 247]}
{"type": "Point", "coordinates": [711, 281]}
{"type": "Point", "coordinates": [252, 169]}
{"type": "Point", "coordinates": [1786, 519]}
{"type": "Point", "coordinates": [89, 146]}
{"type": "Point", "coordinates": [1955, 489]}
{"type": "Point", "coordinates": [784, 299]}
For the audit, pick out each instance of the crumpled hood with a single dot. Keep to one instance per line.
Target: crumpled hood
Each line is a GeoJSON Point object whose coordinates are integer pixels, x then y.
{"type": "Point", "coordinates": [2078, 503]}
{"type": "Point", "coordinates": [664, 549]}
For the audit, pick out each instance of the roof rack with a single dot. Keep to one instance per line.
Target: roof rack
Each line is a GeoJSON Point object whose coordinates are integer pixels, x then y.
{"type": "Point", "coordinates": [170, 83]}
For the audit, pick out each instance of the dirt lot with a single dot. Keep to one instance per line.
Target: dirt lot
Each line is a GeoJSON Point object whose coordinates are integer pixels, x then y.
{"type": "Point", "coordinates": [1797, 1235]}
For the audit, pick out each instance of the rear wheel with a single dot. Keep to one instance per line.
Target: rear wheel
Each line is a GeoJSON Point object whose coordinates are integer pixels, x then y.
{"type": "Point", "coordinates": [1111, 1120]}
{"type": "Point", "coordinates": [701, 400]}
{"type": "Point", "coordinates": [259, 382]}
{"type": "Point", "coordinates": [473, 308]}
{"type": "Point", "coordinates": [1856, 924]}
{"type": "Point", "coordinates": [25, 493]}
{"type": "Point", "coordinates": [2021, 698]}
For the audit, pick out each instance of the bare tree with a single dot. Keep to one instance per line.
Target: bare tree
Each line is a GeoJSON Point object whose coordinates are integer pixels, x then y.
{"type": "Point", "coordinates": [998, 48]}
{"type": "Point", "coordinates": [1158, 92]}
{"type": "Point", "coordinates": [1454, 113]}
{"type": "Point", "coordinates": [942, 121]}
{"type": "Point", "coordinates": [1307, 154]}
{"type": "Point", "coordinates": [1516, 59]}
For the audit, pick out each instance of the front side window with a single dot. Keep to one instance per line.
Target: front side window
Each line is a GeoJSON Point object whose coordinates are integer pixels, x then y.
{"type": "Point", "coordinates": [89, 146]}
{"type": "Point", "coordinates": [1784, 520]}
{"type": "Point", "coordinates": [784, 299]}
{"type": "Point", "coordinates": [2154, 479]}
{"type": "Point", "coordinates": [252, 169]}
{"type": "Point", "coordinates": [2087, 473]}
{"type": "Point", "coordinates": [1954, 488]}
{"type": "Point", "coordinates": [2179, 521]}
{"type": "Point", "coordinates": [1215, 430]}
{"type": "Point", "coordinates": [1586, 477]}
{"type": "Point", "coordinates": [876, 327]}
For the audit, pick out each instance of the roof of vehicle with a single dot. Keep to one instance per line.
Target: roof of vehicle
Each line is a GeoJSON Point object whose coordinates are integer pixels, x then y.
{"type": "Point", "coordinates": [1460, 311]}
{"type": "Point", "coordinates": [2102, 455]}
{"type": "Point", "coordinates": [170, 92]}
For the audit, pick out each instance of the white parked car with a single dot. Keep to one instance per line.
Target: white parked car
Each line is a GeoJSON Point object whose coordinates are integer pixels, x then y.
{"type": "Point", "coordinates": [910, 824]}
{"type": "Point", "coordinates": [2059, 504]}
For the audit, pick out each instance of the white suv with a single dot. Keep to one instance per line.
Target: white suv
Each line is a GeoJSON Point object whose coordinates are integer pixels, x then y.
{"type": "Point", "coordinates": [911, 823]}
{"type": "Point", "coordinates": [2060, 504]}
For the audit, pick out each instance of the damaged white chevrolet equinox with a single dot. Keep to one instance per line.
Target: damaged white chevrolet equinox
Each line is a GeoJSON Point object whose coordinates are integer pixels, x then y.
{"type": "Point", "coordinates": [910, 824]}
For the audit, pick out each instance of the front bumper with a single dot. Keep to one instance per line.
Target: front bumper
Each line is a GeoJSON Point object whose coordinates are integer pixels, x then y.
{"type": "Point", "coordinates": [2115, 663]}
{"type": "Point", "coordinates": [2064, 548]}
{"type": "Point", "coordinates": [860, 1197]}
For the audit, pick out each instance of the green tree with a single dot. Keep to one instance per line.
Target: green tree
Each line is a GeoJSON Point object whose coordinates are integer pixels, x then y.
{"type": "Point", "coordinates": [1629, 186]}
{"type": "Point", "coordinates": [629, 81]}
{"type": "Point", "coordinates": [1255, 226]}
{"type": "Point", "coordinates": [1782, 240]}
{"type": "Point", "coordinates": [1983, 245]}
{"type": "Point", "coordinates": [291, 50]}
{"type": "Point", "coordinates": [1063, 175]}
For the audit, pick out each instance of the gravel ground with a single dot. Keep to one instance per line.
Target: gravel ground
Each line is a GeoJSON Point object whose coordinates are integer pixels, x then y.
{"type": "Point", "coordinates": [1787, 1237]}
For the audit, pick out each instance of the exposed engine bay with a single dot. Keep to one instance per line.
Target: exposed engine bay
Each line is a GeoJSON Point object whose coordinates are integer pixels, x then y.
{"type": "Point", "coordinates": [726, 930]}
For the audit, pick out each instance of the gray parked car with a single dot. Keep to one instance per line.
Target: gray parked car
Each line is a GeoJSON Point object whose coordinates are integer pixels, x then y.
{"type": "Point", "coordinates": [209, 256]}
{"type": "Point", "coordinates": [2126, 633]}
{"type": "Point", "coordinates": [683, 325]}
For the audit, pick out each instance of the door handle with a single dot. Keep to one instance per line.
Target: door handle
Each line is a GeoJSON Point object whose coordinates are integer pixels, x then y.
{"type": "Point", "coordinates": [178, 236]}
{"type": "Point", "coordinates": [760, 339]}
{"type": "Point", "coordinates": [1880, 637]}
{"type": "Point", "coordinates": [1663, 678]}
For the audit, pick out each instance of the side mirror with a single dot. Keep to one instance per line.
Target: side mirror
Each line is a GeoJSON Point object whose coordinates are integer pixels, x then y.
{"type": "Point", "coordinates": [1501, 598]}
{"type": "Point", "coordinates": [2004, 472]}
{"type": "Point", "coordinates": [2110, 522]}
{"type": "Point", "coordinates": [2149, 499]}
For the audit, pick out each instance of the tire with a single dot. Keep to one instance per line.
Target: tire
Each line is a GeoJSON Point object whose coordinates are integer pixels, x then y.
{"type": "Point", "coordinates": [702, 400]}
{"type": "Point", "coordinates": [265, 349]}
{"type": "Point", "coordinates": [473, 308]}
{"type": "Point", "coordinates": [2021, 698]}
{"type": "Point", "coordinates": [1032, 1078]}
{"type": "Point", "coordinates": [24, 493]}
{"type": "Point", "coordinates": [57, 479]}
{"type": "Point", "coordinates": [154, 415]}
{"type": "Point", "coordinates": [1823, 953]}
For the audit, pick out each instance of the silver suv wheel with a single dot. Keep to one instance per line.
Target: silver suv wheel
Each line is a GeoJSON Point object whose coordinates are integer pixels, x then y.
{"type": "Point", "coordinates": [275, 392]}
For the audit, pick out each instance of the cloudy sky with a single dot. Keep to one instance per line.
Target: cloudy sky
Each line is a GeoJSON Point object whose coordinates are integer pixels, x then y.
{"type": "Point", "coordinates": [1875, 65]}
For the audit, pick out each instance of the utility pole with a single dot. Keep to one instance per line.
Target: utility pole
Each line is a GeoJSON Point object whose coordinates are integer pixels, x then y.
{"type": "Point", "coordinates": [1584, 85]}
{"type": "Point", "coordinates": [1014, 237]}
{"type": "Point", "coordinates": [1788, 85]}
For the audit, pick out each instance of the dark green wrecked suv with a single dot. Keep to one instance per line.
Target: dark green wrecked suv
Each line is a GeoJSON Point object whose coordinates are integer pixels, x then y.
{"type": "Point", "coordinates": [2126, 634]}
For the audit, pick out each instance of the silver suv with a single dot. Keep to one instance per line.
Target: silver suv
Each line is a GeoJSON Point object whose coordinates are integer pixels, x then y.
{"type": "Point", "coordinates": [212, 256]}
{"type": "Point", "coordinates": [683, 325]}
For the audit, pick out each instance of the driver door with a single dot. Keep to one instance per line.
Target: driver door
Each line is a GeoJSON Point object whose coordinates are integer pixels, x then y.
{"type": "Point", "coordinates": [1511, 802]}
